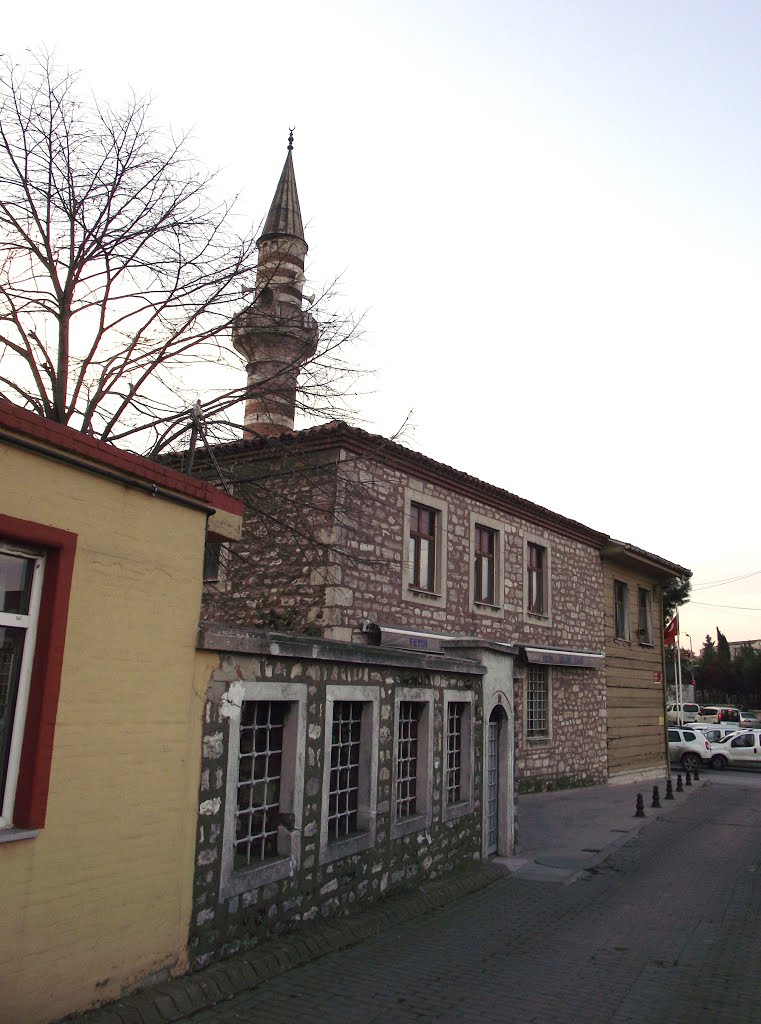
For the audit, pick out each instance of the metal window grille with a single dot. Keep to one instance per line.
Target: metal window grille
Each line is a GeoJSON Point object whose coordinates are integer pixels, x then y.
{"type": "Point", "coordinates": [485, 564]}
{"type": "Point", "coordinates": [422, 552]}
{"type": "Point", "coordinates": [455, 715]}
{"type": "Point", "coordinates": [343, 797]}
{"type": "Point", "coordinates": [406, 759]}
{"type": "Point", "coordinates": [259, 774]}
{"type": "Point", "coordinates": [536, 563]}
{"type": "Point", "coordinates": [537, 702]}
{"type": "Point", "coordinates": [492, 786]}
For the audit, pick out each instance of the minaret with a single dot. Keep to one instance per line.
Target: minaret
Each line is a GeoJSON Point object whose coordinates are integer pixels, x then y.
{"type": "Point", "coordinates": [273, 335]}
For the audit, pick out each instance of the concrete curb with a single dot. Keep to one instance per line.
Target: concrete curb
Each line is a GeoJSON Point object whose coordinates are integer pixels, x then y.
{"type": "Point", "coordinates": [174, 1000]}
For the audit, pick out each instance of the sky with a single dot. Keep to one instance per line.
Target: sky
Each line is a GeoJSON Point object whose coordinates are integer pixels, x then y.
{"type": "Point", "coordinates": [547, 211]}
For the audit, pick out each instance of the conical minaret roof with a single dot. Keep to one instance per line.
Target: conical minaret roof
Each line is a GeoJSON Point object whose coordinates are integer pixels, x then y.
{"type": "Point", "coordinates": [284, 217]}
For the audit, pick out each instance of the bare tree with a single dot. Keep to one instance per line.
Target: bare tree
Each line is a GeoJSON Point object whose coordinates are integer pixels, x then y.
{"type": "Point", "coordinates": [120, 268]}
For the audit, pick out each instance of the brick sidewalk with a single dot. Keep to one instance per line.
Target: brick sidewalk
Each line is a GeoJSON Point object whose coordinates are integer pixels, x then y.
{"type": "Point", "coordinates": [175, 1000]}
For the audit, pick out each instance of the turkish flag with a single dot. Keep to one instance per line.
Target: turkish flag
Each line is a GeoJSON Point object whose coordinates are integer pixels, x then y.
{"type": "Point", "coordinates": [671, 630]}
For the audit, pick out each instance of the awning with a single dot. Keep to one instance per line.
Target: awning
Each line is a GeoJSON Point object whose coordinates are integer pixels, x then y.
{"type": "Point", "coordinates": [556, 656]}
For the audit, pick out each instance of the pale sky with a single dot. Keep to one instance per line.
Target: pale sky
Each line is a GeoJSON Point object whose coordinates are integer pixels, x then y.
{"type": "Point", "coordinates": [549, 210]}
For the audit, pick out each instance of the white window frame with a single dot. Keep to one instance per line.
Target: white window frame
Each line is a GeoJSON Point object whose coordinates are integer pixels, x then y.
{"type": "Point", "coordinates": [364, 838]}
{"type": "Point", "coordinates": [645, 640]}
{"type": "Point", "coordinates": [422, 819]}
{"type": "Point", "coordinates": [28, 622]}
{"type": "Point", "coordinates": [545, 739]}
{"type": "Point", "coordinates": [626, 635]}
{"type": "Point", "coordinates": [438, 597]}
{"type": "Point", "coordinates": [497, 608]}
{"type": "Point", "coordinates": [465, 805]}
{"type": "Point", "coordinates": [233, 882]}
{"type": "Point", "coordinates": [543, 618]}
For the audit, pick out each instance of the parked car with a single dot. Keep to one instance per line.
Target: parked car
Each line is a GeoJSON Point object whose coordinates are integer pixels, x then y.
{"type": "Point", "coordinates": [739, 750]}
{"type": "Point", "coordinates": [689, 747]}
{"type": "Point", "coordinates": [689, 712]}
{"type": "Point", "coordinates": [714, 732]}
{"type": "Point", "coordinates": [717, 713]}
{"type": "Point", "coordinates": [750, 719]}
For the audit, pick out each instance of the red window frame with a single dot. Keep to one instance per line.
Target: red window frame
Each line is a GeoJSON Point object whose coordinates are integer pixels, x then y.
{"type": "Point", "coordinates": [59, 548]}
{"type": "Point", "coordinates": [536, 567]}
{"type": "Point", "coordinates": [423, 525]}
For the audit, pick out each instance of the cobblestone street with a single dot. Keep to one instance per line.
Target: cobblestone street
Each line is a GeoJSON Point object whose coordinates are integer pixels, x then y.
{"type": "Point", "coordinates": [667, 930]}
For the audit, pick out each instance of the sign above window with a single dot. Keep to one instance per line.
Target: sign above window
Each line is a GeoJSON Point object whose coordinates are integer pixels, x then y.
{"type": "Point", "coordinates": [571, 659]}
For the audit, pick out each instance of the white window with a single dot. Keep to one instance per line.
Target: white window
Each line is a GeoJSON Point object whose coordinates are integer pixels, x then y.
{"type": "Point", "coordinates": [537, 715]}
{"type": "Point", "coordinates": [621, 609]}
{"type": "Point", "coordinates": [424, 569]}
{"type": "Point", "coordinates": [21, 574]}
{"type": "Point", "coordinates": [349, 796]}
{"type": "Point", "coordinates": [413, 761]}
{"type": "Point", "coordinates": [458, 754]}
{"type": "Point", "coordinates": [645, 616]}
{"type": "Point", "coordinates": [265, 784]}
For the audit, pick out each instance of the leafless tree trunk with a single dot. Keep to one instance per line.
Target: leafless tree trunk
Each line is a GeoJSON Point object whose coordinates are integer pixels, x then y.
{"type": "Point", "coordinates": [120, 270]}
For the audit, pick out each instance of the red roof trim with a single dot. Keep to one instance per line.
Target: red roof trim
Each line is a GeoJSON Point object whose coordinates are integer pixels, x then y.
{"type": "Point", "coordinates": [88, 449]}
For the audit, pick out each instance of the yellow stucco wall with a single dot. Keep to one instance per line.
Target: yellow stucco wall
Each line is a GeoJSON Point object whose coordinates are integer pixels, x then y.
{"type": "Point", "coordinates": [101, 898]}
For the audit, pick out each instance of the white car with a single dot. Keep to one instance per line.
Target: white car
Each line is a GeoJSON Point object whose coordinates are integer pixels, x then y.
{"type": "Point", "coordinates": [715, 733]}
{"type": "Point", "coordinates": [688, 746]}
{"type": "Point", "coordinates": [689, 713]}
{"type": "Point", "coordinates": [737, 750]}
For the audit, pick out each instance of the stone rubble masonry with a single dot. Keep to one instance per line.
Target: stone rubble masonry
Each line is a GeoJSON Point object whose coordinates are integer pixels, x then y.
{"type": "Point", "coordinates": [228, 928]}
{"type": "Point", "coordinates": [279, 582]}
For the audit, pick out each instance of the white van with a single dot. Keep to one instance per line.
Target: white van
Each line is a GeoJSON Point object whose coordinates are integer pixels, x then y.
{"type": "Point", "coordinates": [689, 712]}
{"type": "Point", "coordinates": [717, 713]}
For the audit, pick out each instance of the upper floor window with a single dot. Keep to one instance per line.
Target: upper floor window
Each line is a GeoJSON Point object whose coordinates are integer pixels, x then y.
{"type": "Point", "coordinates": [21, 574]}
{"type": "Point", "coordinates": [645, 616]}
{"type": "Point", "coordinates": [424, 540]}
{"type": "Point", "coordinates": [422, 546]}
{"type": "Point", "coordinates": [621, 610]}
{"type": "Point", "coordinates": [485, 564]}
{"type": "Point", "coordinates": [537, 579]}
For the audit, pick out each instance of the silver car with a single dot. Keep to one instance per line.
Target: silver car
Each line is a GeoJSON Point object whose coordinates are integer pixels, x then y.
{"type": "Point", "coordinates": [689, 747]}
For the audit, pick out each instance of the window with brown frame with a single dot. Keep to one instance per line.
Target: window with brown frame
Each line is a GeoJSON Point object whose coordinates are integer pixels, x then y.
{"type": "Point", "coordinates": [621, 609]}
{"type": "Point", "coordinates": [422, 546]}
{"type": "Point", "coordinates": [485, 564]}
{"type": "Point", "coordinates": [537, 566]}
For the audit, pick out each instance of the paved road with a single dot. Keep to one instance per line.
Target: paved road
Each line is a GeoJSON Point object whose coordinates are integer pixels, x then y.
{"type": "Point", "coordinates": [668, 930]}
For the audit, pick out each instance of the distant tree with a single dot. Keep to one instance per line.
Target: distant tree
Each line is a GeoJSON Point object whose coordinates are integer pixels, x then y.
{"type": "Point", "coordinates": [676, 592]}
{"type": "Point", "coordinates": [723, 653]}
{"type": "Point", "coordinates": [708, 653]}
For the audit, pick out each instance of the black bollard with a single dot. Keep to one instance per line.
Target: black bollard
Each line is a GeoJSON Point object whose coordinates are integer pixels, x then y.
{"type": "Point", "coordinates": [679, 783]}
{"type": "Point", "coordinates": [695, 775]}
{"type": "Point", "coordinates": [687, 778]}
{"type": "Point", "coordinates": [656, 797]}
{"type": "Point", "coordinates": [669, 790]}
{"type": "Point", "coordinates": [640, 812]}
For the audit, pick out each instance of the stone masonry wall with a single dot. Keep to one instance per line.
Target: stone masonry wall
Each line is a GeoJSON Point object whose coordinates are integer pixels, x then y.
{"type": "Point", "coordinates": [224, 928]}
{"type": "Point", "coordinates": [575, 754]}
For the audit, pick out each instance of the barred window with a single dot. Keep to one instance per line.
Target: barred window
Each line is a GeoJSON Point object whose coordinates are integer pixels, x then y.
{"type": "Point", "coordinates": [407, 759]}
{"type": "Point", "coordinates": [455, 713]}
{"type": "Point", "coordinates": [537, 703]}
{"type": "Point", "coordinates": [259, 779]}
{"type": "Point", "coordinates": [343, 797]}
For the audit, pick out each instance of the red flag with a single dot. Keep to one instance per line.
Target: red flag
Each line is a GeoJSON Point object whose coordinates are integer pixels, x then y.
{"type": "Point", "coordinates": [671, 630]}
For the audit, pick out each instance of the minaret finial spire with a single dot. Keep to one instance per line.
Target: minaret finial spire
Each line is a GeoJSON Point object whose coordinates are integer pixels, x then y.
{"type": "Point", "coordinates": [290, 138]}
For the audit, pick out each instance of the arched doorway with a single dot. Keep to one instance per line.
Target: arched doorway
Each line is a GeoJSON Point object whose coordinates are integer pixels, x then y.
{"type": "Point", "coordinates": [498, 783]}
